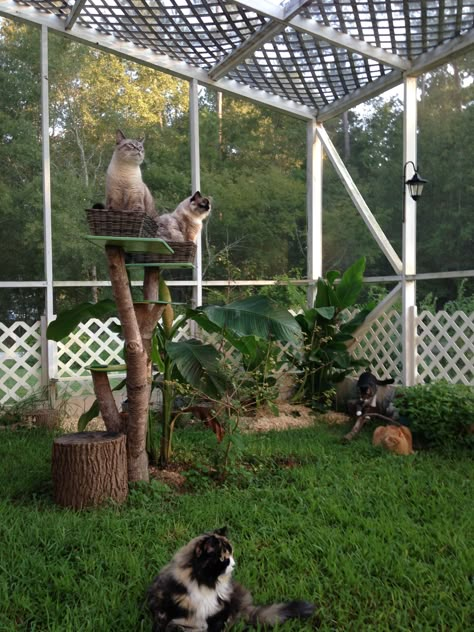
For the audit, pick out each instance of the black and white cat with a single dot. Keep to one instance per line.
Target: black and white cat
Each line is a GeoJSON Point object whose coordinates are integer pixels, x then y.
{"type": "Point", "coordinates": [195, 592]}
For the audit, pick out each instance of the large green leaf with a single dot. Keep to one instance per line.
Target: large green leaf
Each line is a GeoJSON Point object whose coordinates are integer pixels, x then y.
{"type": "Point", "coordinates": [89, 415]}
{"type": "Point", "coordinates": [326, 312]}
{"type": "Point", "coordinates": [255, 316]}
{"type": "Point", "coordinates": [351, 283]}
{"type": "Point", "coordinates": [68, 320]}
{"type": "Point", "coordinates": [198, 365]}
{"type": "Point", "coordinates": [325, 295]}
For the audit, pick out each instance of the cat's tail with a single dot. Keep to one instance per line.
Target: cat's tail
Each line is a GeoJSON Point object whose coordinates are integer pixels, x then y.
{"type": "Point", "coordinates": [278, 612]}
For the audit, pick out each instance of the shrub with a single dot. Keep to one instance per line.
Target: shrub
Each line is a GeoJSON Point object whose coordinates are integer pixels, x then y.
{"type": "Point", "coordinates": [439, 413]}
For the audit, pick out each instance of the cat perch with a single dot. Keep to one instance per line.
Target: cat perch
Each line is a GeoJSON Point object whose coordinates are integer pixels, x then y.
{"type": "Point", "coordinates": [139, 320]}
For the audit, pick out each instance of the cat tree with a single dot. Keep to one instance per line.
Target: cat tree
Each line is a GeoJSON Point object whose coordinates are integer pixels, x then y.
{"type": "Point", "coordinates": [91, 466]}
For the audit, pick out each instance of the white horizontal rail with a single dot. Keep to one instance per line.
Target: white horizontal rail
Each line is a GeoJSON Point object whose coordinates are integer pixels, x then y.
{"type": "Point", "coordinates": [391, 278]}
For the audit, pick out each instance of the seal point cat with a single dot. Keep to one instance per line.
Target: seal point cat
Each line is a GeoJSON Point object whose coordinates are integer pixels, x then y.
{"type": "Point", "coordinates": [185, 222]}
{"type": "Point", "coordinates": [195, 592]}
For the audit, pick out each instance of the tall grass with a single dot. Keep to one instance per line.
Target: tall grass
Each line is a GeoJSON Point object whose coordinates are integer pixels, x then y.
{"type": "Point", "coordinates": [378, 542]}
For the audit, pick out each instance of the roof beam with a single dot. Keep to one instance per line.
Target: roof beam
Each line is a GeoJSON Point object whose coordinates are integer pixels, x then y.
{"type": "Point", "coordinates": [326, 33]}
{"type": "Point", "coordinates": [245, 49]}
{"type": "Point", "coordinates": [75, 12]}
{"type": "Point", "coordinates": [369, 91]}
{"type": "Point", "coordinates": [264, 34]}
{"type": "Point", "coordinates": [442, 54]}
{"type": "Point", "coordinates": [182, 70]}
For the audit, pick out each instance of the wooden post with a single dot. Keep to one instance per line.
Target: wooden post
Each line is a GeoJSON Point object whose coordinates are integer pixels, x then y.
{"type": "Point", "coordinates": [138, 323]}
{"type": "Point", "coordinates": [89, 468]}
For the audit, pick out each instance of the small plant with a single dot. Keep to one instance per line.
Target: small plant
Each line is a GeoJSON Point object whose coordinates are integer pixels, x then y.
{"type": "Point", "coordinates": [439, 413]}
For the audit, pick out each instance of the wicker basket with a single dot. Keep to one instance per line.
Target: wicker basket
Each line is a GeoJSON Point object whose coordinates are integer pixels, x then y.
{"type": "Point", "coordinates": [183, 252]}
{"type": "Point", "coordinates": [120, 223]}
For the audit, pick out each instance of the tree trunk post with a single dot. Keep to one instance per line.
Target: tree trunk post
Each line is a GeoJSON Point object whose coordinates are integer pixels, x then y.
{"type": "Point", "coordinates": [138, 323]}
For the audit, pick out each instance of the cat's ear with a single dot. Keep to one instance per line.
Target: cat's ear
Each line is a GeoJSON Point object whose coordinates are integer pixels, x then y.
{"type": "Point", "coordinates": [221, 531]}
{"type": "Point", "coordinates": [119, 136]}
{"type": "Point", "coordinates": [196, 195]}
{"type": "Point", "coordinates": [141, 140]}
{"type": "Point", "coordinates": [208, 545]}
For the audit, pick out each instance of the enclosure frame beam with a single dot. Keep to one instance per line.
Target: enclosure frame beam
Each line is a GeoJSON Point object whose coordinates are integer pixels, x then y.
{"type": "Point", "coordinates": [326, 33]}
{"type": "Point", "coordinates": [195, 182]}
{"type": "Point", "coordinates": [409, 312]}
{"type": "Point", "coordinates": [264, 34]}
{"type": "Point", "coordinates": [314, 209]}
{"type": "Point", "coordinates": [49, 364]}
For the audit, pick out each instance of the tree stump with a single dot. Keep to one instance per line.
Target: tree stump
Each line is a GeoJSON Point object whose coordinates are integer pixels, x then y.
{"type": "Point", "coordinates": [89, 468]}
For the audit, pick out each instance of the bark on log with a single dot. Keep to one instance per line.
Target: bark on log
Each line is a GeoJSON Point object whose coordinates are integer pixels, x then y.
{"type": "Point", "coordinates": [89, 468]}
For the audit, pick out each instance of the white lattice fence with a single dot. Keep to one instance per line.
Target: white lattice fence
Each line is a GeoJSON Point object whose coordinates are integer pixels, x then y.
{"type": "Point", "coordinates": [381, 346]}
{"type": "Point", "coordinates": [94, 342]}
{"type": "Point", "coordinates": [20, 360]}
{"type": "Point", "coordinates": [446, 347]}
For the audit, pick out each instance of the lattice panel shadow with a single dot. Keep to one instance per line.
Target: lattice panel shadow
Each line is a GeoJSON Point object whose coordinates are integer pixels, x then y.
{"type": "Point", "coordinates": [20, 360]}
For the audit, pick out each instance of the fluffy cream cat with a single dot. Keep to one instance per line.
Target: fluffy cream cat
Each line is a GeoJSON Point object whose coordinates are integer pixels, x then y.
{"type": "Point", "coordinates": [124, 187]}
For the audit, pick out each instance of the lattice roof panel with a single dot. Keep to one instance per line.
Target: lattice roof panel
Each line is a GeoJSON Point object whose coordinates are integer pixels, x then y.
{"type": "Point", "coordinates": [308, 53]}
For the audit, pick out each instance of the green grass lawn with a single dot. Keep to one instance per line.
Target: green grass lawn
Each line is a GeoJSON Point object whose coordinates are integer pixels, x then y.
{"type": "Point", "coordinates": [378, 542]}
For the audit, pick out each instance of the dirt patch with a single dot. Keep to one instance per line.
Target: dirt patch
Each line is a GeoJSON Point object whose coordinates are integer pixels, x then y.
{"type": "Point", "coordinates": [334, 419]}
{"type": "Point", "coordinates": [290, 416]}
{"type": "Point", "coordinates": [171, 476]}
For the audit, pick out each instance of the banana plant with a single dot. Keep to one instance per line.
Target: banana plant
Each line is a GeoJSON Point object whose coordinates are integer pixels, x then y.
{"type": "Point", "coordinates": [324, 358]}
{"type": "Point", "coordinates": [251, 326]}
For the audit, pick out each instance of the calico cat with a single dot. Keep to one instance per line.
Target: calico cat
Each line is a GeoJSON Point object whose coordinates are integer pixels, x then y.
{"type": "Point", "coordinates": [396, 439]}
{"type": "Point", "coordinates": [185, 222]}
{"type": "Point", "coordinates": [124, 187]}
{"type": "Point", "coordinates": [195, 591]}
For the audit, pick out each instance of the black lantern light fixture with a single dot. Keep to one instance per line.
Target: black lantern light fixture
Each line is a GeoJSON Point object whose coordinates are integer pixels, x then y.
{"type": "Point", "coordinates": [415, 184]}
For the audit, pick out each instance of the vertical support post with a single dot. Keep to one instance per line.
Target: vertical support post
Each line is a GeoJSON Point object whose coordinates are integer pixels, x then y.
{"type": "Point", "coordinates": [50, 361]}
{"type": "Point", "coordinates": [195, 182]}
{"type": "Point", "coordinates": [314, 208]}
{"type": "Point", "coordinates": [409, 353]}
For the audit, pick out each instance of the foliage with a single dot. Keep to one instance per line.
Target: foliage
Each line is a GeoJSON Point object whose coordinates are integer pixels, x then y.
{"type": "Point", "coordinates": [325, 359]}
{"type": "Point", "coordinates": [439, 413]}
{"type": "Point", "coordinates": [17, 412]}
{"type": "Point", "coordinates": [358, 557]}
{"type": "Point", "coordinates": [69, 319]}
{"type": "Point", "coordinates": [251, 326]}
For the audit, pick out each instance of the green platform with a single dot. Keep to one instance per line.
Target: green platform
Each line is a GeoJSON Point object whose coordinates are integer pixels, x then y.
{"type": "Point", "coordinates": [165, 265]}
{"type": "Point", "coordinates": [108, 368]}
{"type": "Point", "coordinates": [133, 244]}
{"type": "Point", "coordinates": [157, 303]}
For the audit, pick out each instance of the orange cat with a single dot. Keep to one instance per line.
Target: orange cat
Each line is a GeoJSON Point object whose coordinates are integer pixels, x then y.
{"type": "Point", "coordinates": [394, 438]}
